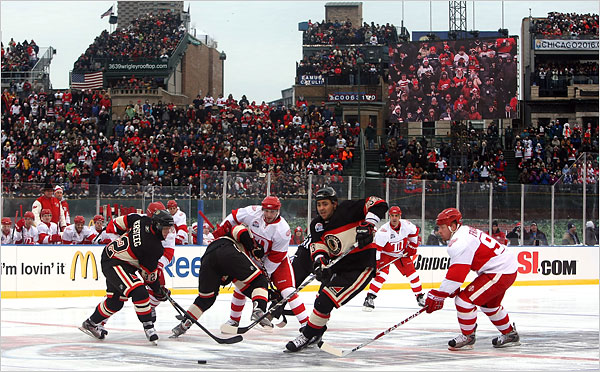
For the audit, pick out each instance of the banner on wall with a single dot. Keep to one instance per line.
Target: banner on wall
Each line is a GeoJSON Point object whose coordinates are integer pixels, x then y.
{"type": "Point", "coordinates": [558, 44]}
{"type": "Point", "coordinates": [75, 270]}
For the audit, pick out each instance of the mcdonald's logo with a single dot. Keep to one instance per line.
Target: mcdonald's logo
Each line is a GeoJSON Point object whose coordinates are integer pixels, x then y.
{"type": "Point", "coordinates": [84, 264]}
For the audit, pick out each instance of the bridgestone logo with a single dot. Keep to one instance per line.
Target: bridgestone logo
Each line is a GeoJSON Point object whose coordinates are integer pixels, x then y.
{"type": "Point", "coordinates": [432, 263]}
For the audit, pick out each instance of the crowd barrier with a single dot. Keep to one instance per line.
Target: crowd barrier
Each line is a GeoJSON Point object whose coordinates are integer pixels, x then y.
{"type": "Point", "coordinates": [74, 270]}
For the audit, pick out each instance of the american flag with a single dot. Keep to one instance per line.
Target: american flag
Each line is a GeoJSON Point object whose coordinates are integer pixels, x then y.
{"type": "Point", "coordinates": [91, 80]}
{"type": "Point", "coordinates": [107, 13]}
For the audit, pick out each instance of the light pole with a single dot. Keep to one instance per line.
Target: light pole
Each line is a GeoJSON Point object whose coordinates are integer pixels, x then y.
{"type": "Point", "coordinates": [359, 62]}
{"type": "Point", "coordinates": [223, 57]}
{"type": "Point", "coordinates": [363, 164]}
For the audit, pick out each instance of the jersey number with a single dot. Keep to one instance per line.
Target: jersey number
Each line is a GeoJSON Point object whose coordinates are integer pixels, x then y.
{"type": "Point", "coordinates": [398, 246]}
{"type": "Point", "coordinates": [491, 243]}
{"type": "Point", "coordinates": [118, 245]}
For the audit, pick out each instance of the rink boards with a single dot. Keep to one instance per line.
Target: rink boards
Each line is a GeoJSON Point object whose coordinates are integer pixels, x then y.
{"type": "Point", "coordinates": [74, 270]}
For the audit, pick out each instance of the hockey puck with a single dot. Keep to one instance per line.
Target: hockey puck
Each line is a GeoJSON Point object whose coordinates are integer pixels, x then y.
{"type": "Point", "coordinates": [201, 361]}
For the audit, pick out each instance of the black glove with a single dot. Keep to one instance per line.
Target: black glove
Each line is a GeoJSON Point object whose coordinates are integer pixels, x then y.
{"type": "Point", "coordinates": [258, 251]}
{"type": "Point", "coordinates": [162, 293]}
{"type": "Point", "coordinates": [322, 273]}
{"type": "Point", "coordinates": [364, 233]}
{"type": "Point", "coordinates": [275, 297]}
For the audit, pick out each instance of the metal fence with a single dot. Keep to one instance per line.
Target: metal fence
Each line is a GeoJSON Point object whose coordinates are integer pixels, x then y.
{"type": "Point", "coordinates": [551, 207]}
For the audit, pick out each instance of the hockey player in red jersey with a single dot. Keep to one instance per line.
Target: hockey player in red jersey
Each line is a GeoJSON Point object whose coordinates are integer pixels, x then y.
{"type": "Point", "coordinates": [333, 233]}
{"type": "Point", "coordinates": [225, 260]}
{"type": "Point", "coordinates": [9, 235]}
{"type": "Point", "coordinates": [396, 240]}
{"type": "Point", "coordinates": [135, 253]}
{"type": "Point", "coordinates": [98, 235]}
{"type": "Point", "coordinates": [270, 231]}
{"type": "Point", "coordinates": [29, 233]}
{"type": "Point", "coordinates": [48, 230]}
{"type": "Point", "coordinates": [496, 266]}
{"type": "Point", "coordinates": [76, 233]}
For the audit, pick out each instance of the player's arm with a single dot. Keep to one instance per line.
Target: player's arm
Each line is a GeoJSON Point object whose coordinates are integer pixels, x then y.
{"type": "Point", "coordinates": [373, 210]}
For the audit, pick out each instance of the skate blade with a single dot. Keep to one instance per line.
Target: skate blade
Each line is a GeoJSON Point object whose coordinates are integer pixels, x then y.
{"type": "Point", "coordinates": [508, 344]}
{"type": "Point", "coordinates": [367, 309]}
{"type": "Point", "coordinates": [174, 336]}
{"type": "Point", "coordinates": [466, 347]}
{"type": "Point", "coordinates": [266, 329]}
{"type": "Point", "coordinates": [87, 332]}
{"type": "Point", "coordinates": [154, 343]}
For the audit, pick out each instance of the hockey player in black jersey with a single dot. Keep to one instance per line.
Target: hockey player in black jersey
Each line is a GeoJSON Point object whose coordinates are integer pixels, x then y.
{"type": "Point", "coordinates": [333, 233]}
{"type": "Point", "coordinates": [226, 260]}
{"type": "Point", "coordinates": [137, 251]}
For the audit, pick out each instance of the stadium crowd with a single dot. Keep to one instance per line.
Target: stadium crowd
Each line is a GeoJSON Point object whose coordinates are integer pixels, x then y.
{"type": "Point", "coordinates": [148, 37]}
{"type": "Point", "coordinates": [19, 56]}
{"type": "Point", "coordinates": [570, 25]}
{"type": "Point", "coordinates": [557, 74]}
{"type": "Point", "coordinates": [339, 67]}
{"type": "Point", "coordinates": [453, 80]}
{"type": "Point", "coordinates": [343, 33]}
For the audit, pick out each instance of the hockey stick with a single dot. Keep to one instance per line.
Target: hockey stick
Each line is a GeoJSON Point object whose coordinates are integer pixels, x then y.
{"type": "Point", "coordinates": [206, 219]}
{"type": "Point", "coordinates": [309, 278]}
{"type": "Point", "coordinates": [341, 353]}
{"type": "Point", "coordinates": [181, 311]}
{"type": "Point", "coordinates": [98, 236]}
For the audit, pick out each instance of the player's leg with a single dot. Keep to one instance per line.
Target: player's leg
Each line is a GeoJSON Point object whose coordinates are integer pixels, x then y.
{"type": "Point", "coordinates": [377, 282]}
{"type": "Point", "coordinates": [343, 287]}
{"type": "Point", "coordinates": [283, 279]}
{"type": "Point", "coordinates": [499, 316]}
{"type": "Point", "coordinates": [407, 268]}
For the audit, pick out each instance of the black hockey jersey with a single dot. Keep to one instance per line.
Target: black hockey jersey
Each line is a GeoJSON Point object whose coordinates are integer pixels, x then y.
{"type": "Point", "coordinates": [338, 234]}
{"type": "Point", "coordinates": [139, 246]}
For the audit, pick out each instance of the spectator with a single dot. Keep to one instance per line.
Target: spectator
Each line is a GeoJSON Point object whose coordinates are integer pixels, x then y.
{"type": "Point", "coordinates": [535, 236]}
{"type": "Point", "coordinates": [52, 204]}
{"type": "Point", "coordinates": [570, 237]}
{"type": "Point", "coordinates": [434, 237]}
{"type": "Point", "coordinates": [498, 234]}
{"type": "Point", "coordinates": [591, 234]}
{"type": "Point", "coordinates": [298, 236]}
{"type": "Point", "coordinates": [58, 193]}
{"type": "Point", "coordinates": [514, 235]}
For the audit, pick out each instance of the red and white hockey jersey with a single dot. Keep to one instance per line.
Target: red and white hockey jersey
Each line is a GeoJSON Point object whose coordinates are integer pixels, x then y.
{"type": "Point", "coordinates": [10, 238]}
{"type": "Point", "coordinates": [395, 242]}
{"type": "Point", "coordinates": [472, 249]}
{"type": "Point", "coordinates": [71, 236]}
{"type": "Point", "coordinates": [103, 239]}
{"type": "Point", "coordinates": [48, 232]}
{"type": "Point", "coordinates": [273, 237]}
{"type": "Point", "coordinates": [29, 235]}
{"type": "Point", "coordinates": [180, 220]}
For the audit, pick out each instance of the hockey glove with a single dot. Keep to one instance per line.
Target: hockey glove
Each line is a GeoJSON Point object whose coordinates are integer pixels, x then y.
{"type": "Point", "coordinates": [258, 251]}
{"type": "Point", "coordinates": [20, 224]}
{"type": "Point", "coordinates": [55, 238]}
{"type": "Point", "coordinates": [322, 273]}
{"type": "Point", "coordinates": [364, 234]}
{"type": "Point", "coordinates": [435, 300]}
{"type": "Point", "coordinates": [162, 293]}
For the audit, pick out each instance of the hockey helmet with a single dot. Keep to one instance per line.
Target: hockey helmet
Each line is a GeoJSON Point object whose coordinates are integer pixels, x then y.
{"type": "Point", "coordinates": [153, 207]}
{"type": "Point", "coordinates": [161, 218]}
{"type": "Point", "coordinates": [29, 214]}
{"type": "Point", "coordinates": [326, 193]}
{"type": "Point", "coordinates": [171, 204]}
{"type": "Point", "coordinates": [79, 219]}
{"type": "Point", "coordinates": [45, 211]}
{"type": "Point", "coordinates": [271, 203]}
{"type": "Point", "coordinates": [6, 221]}
{"type": "Point", "coordinates": [395, 210]}
{"type": "Point", "coordinates": [98, 217]}
{"type": "Point", "coordinates": [447, 216]}
{"type": "Point", "coordinates": [195, 228]}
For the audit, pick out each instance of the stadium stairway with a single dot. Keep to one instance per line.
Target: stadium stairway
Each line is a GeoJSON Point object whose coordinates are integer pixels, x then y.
{"type": "Point", "coordinates": [511, 172]}
{"type": "Point", "coordinates": [354, 170]}
{"type": "Point", "coordinates": [372, 163]}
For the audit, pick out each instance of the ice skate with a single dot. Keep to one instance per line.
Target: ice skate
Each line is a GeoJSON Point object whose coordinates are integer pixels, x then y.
{"type": "Point", "coordinates": [462, 342]}
{"type": "Point", "coordinates": [510, 339]}
{"type": "Point", "coordinates": [369, 303]}
{"type": "Point", "coordinates": [265, 323]}
{"type": "Point", "coordinates": [315, 339]}
{"type": "Point", "coordinates": [151, 334]}
{"type": "Point", "coordinates": [421, 299]}
{"type": "Point", "coordinates": [230, 327]}
{"type": "Point", "coordinates": [297, 344]}
{"type": "Point", "coordinates": [93, 330]}
{"type": "Point", "coordinates": [181, 328]}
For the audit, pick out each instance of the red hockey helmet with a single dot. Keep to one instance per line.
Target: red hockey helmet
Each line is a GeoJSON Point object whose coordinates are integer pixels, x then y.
{"type": "Point", "coordinates": [98, 217]}
{"type": "Point", "coordinates": [153, 207]}
{"type": "Point", "coordinates": [395, 210]}
{"type": "Point", "coordinates": [29, 214]}
{"type": "Point", "coordinates": [171, 203]}
{"type": "Point", "coordinates": [271, 203]}
{"type": "Point", "coordinates": [447, 216]}
{"type": "Point", "coordinates": [6, 221]}
{"type": "Point", "coordinates": [79, 219]}
{"type": "Point", "coordinates": [45, 211]}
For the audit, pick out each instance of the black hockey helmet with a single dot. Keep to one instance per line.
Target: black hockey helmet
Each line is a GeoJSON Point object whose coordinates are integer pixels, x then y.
{"type": "Point", "coordinates": [326, 193]}
{"type": "Point", "coordinates": [161, 218]}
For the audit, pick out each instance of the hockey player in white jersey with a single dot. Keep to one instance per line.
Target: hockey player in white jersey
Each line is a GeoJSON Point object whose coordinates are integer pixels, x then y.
{"type": "Point", "coordinates": [181, 235]}
{"type": "Point", "coordinates": [397, 240]}
{"type": "Point", "coordinates": [76, 233]}
{"type": "Point", "coordinates": [9, 236]}
{"type": "Point", "coordinates": [48, 230]}
{"type": "Point", "coordinates": [98, 235]}
{"type": "Point", "coordinates": [272, 233]}
{"type": "Point", "coordinates": [29, 233]}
